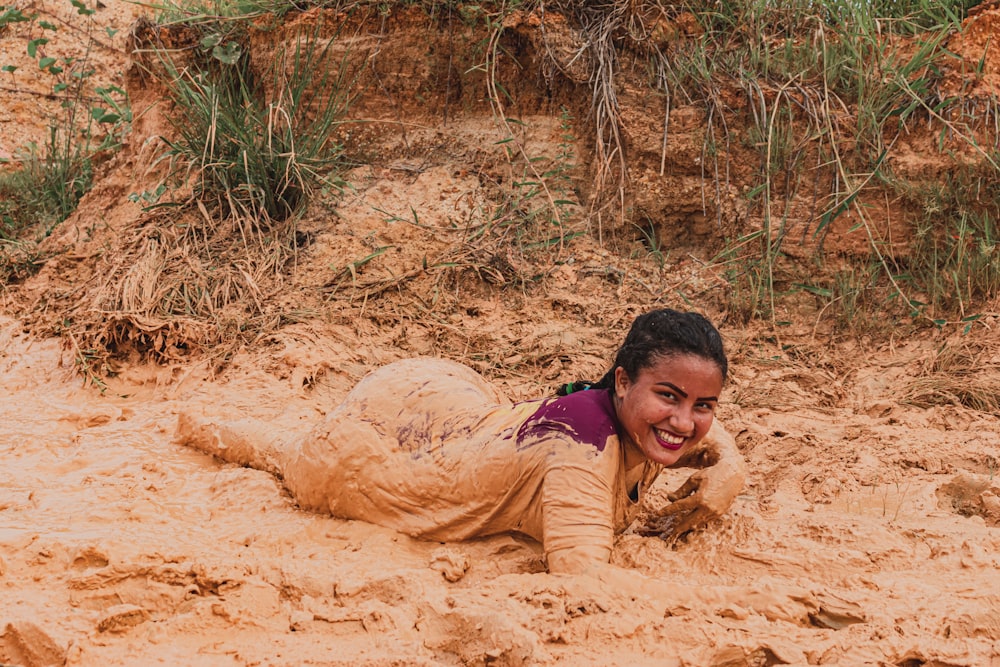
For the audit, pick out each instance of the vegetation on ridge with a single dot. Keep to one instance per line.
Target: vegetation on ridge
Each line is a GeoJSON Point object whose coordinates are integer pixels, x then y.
{"type": "Point", "coordinates": [818, 99]}
{"type": "Point", "coordinates": [91, 122]}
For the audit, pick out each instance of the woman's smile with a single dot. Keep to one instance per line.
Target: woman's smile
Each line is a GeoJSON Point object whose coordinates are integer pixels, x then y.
{"type": "Point", "coordinates": [669, 440]}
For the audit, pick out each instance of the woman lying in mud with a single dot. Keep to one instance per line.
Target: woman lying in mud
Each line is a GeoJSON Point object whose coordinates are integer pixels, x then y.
{"type": "Point", "coordinates": [427, 447]}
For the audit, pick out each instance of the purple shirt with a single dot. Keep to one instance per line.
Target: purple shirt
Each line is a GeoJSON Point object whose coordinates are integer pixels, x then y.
{"type": "Point", "coordinates": [585, 416]}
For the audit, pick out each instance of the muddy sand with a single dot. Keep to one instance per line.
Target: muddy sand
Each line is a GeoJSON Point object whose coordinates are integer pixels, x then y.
{"type": "Point", "coordinates": [121, 547]}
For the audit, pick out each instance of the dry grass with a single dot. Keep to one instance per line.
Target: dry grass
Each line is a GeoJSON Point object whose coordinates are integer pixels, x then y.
{"type": "Point", "coordinates": [965, 373]}
{"type": "Point", "coordinates": [163, 295]}
{"type": "Point", "coordinates": [201, 269]}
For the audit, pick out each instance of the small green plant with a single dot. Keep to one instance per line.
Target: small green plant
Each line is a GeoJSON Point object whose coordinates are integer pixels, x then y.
{"type": "Point", "coordinates": [558, 176]}
{"type": "Point", "coordinates": [852, 298]}
{"type": "Point", "coordinates": [751, 283]}
{"type": "Point", "coordinates": [651, 240]}
{"type": "Point", "coordinates": [53, 176]}
{"type": "Point", "coordinates": [352, 268]}
{"type": "Point", "coordinates": [954, 259]}
{"type": "Point", "coordinates": [538, 202]}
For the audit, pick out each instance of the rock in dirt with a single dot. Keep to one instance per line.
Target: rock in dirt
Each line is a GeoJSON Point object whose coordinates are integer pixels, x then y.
{"type": "Point", "coordinates": [971, 495]}
{"type": "Point", "coordinates": [450, 563]}
{"type": "Point", "coordinates": [122, 617]}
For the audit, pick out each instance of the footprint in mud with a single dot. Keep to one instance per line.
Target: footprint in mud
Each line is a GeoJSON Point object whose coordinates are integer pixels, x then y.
{"type": "Point", "coordinates": [971, 495]}
{"type": "Point", "coordinates": [93, 418]}
{"type": "Point", "coordinates": [757, 656]}
{"type": "Point", "coordinates": [122, 617]}
{"type": "Point", "coordinates": [90, 557]}
{"type": "Point", "coordinates": [127, 594]}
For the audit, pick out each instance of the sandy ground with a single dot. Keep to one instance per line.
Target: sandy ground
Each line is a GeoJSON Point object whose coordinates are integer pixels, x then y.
{"type": "Point", "coordinates": [120, 547]}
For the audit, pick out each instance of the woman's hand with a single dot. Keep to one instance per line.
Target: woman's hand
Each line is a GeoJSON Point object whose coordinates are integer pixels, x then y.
{"type": "Point", "coordinates": [708, 493]}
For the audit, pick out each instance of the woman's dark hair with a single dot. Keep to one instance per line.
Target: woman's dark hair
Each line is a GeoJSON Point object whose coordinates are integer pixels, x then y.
{"type": "Point", "coordinates": [656, 334]}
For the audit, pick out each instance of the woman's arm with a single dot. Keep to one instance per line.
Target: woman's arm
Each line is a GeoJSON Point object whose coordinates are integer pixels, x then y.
{"type": "Point", "coordinates": [717, 446]}
{"type": "Point", "coordinates": [577, 510]}
{"type": "Point", "coordinates": [709, 492]}
{"type": "Point", "coordinates": [577, 560]}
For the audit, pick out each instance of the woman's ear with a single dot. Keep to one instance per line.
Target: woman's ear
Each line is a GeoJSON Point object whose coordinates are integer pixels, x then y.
{"type": "Point", "coordinates": [621, 380]}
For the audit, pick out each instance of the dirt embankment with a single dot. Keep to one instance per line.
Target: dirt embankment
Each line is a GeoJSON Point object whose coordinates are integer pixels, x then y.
{"type": "Point", "coordinates": [119, 547]}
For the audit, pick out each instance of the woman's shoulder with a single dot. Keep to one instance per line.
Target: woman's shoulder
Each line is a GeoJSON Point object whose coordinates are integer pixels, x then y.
{"type": "Point", "coordinates": [587, 417]}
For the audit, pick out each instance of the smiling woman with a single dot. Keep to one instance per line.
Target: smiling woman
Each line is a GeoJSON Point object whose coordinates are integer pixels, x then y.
{"type": "Point", "coordinates": [427, 447]}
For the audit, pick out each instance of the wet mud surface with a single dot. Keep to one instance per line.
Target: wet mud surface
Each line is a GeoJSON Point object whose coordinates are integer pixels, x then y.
{"type": "Point", "coordinates": [120, 546]}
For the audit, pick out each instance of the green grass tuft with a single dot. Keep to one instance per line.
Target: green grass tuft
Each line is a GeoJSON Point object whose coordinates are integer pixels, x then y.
{"type": "Point", "coordinates": [257, 151]}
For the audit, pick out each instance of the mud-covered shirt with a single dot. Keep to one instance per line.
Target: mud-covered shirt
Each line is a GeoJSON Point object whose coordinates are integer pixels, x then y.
{"type": "Point", "coordinates": [427, 447]}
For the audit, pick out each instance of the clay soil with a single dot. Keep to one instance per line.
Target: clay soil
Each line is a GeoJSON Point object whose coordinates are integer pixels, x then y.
{"type": "Point", "coordinates": [871, 490]}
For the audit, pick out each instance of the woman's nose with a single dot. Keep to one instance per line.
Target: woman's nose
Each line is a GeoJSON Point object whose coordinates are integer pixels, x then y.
{"type": "Point", "coordinates": [681, 421]}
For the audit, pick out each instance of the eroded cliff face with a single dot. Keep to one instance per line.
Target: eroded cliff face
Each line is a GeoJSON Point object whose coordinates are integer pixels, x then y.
{"type": "Point", "coordinates": [494, 99]}
{"type": "Point", "coordinates": [475, 144]}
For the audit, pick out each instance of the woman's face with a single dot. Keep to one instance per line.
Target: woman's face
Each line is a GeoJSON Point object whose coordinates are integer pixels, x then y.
{"type": "Point", "coordinates": [670, 405]}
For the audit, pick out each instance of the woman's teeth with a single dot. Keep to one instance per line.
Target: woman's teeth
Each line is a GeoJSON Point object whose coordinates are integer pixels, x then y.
{"type": "Point", "coordinates": [668, 438]}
